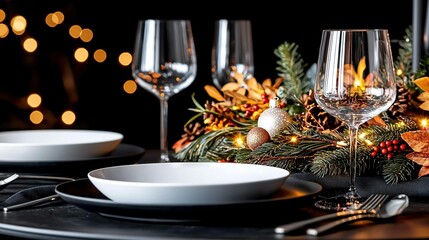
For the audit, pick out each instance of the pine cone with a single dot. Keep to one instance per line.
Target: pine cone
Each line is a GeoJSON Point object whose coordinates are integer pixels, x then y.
{"type": "Point", "coordinates": [402, 102]}
{"type": "Point", "coordinates": [220, 120]}
{"type": "Point", "coordinates": [315, 117]}
{"type": "Point", "coordinates": [192, 131]}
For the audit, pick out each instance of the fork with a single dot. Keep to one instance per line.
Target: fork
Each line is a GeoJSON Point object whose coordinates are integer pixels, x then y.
{"type": "Point", "coordinates": [369, 205]}
{"type": "Point", "coordinates": [5, 182]}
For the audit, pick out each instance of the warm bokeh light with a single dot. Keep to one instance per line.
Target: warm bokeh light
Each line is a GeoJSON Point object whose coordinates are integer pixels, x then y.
{"type": "Point", "coordinates": [2, 15]}
{"type": "Point", "coordinates": [81, 54]}
{"type": "Point", "coordinates": [75, 31]}
{"type": "Point", "coordinates": [368, 142]}
{"type": "Point", "coordinates": [18, 25]}
{"type": "Point", "coordinates": [58, 17]}
{"type": "Point", "coordinates": [100, 55]}
{"type": "Point", "coordinates": [239, 141]}
{"type": "Point", "coordinates": [34, 100]}
{"type": "Point", "coordinates": [424, 123]}
{"type": "Point", "coordinates": [125, 58]}
{"type": "Point", "coordinates": [68, 117]}
{"type": "Point", "coordinates": [49, 20]}
{"type": "Point", "coordinates": [30, 45]}
{"type": "Point", "coordinates": [399, 72]}
{"type": "Point", "coordinates": [4, 30]}
{"type": "Point", "coordinates": [294, 139]}
{"type": "Point", "coordinates": [86, 35]}
{"type": "Point", "coordinates": [36, 117]}
{"type": "Point", "coordinates": [130, 86]}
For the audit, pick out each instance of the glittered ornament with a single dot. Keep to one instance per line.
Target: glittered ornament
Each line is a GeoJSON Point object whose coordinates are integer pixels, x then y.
{"type": "Point", "coordinates": [256, 137]}
{"type": "Point", "coordinates": [274, 119]}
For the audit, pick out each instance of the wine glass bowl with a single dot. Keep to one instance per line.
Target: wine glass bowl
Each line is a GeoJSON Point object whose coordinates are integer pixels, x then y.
{"type": "Point", "coordinates": [164, 63]}
{"type": "Point", "coordinates": [232, 51]}
{"type": "Point", "coordinates": [355, 81]}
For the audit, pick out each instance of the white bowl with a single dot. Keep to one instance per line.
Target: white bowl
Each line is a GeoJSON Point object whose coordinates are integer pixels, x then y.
{"type": "Point", "coordinates": [56, 144]}
{"type": "Point", "coordinates": [186, 183]}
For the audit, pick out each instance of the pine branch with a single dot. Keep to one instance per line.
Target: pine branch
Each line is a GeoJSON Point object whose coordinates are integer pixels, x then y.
{"type": "Point", "coordinates": [398, 169]}
{"type": "Point", "coordinates": [291, 69]}
{"type": "Point", "coordinates": [196, 150]}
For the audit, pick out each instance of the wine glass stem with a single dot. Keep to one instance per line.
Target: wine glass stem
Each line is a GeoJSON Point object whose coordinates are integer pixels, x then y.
{"type": "Point", "coordinates": [164, 127]}
{"type": "Point", "coordinates": [352, 194]}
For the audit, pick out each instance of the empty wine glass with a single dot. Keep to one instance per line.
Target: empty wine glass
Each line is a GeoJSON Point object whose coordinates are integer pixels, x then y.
{"type": "Point", "coordinates": [355, 81]}
{"type": "Point", "coordinates": [164, 63]}
{"type": "Point", "coordinates": [232, 51]}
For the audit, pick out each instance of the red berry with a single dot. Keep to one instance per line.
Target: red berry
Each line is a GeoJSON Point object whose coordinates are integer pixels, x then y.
{"type": "Point", "coordinates": [388, 143]}
{"type": "Point", "coordinates": [255, 107]}
{"type": "Point", "coordinates": [382, 144]}
{"type": "Point", "coordinates": [390, 156]}
{"type": "Point", "coordinates": [395, 142]}
{"type": "Point", "coordinates": [390, 149]}
{"type": "Point", "coordinates": [248, 113]}
{"type": "Point", "coordinates": [384, 151]}
{"type": "Point", "coordinates": [403, 146]}
{"type": "Point", "coordinates": [375, 148]}
{"type": "Point", "coordinates": [373, 154]}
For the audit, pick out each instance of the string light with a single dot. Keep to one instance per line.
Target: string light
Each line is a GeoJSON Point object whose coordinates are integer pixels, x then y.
{"type": "Point", "coordinates": [239, 141]}
{"type": "Point", "coordinates": [424, 123]}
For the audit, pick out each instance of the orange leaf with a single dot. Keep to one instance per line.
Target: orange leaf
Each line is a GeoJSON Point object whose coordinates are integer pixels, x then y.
{"type": "Point", "coordinates": [423, 83]}
{"type": "Point", "coordinates": [376, 121]}
{"type": "Point", "coordinates": [424, 96]}
{"type": "Point", "coordinates": [417, 140]}
{"type": "Point", "coordinates": [231, 86]}
{"type": "Point", "coordinates": [239, 77]}
{"type": "Point", "coordinates": [253, 84]}
{"type": "Point", "coordinates": [424, 106]}
{"type": "Point", "coordinates": [278, 82]}
{"type": "Point", "coordinates": [424, 171]}
{"type": "Point", "coordinates": [214, 93]}
{"type": "Point", "coordinates": [419, 158]}
{"type": "Point", "coordinates": [267, 83]}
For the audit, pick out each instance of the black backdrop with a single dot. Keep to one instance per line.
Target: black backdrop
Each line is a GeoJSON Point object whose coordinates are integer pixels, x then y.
{"type": "Point", "coordinates": [102, 104]}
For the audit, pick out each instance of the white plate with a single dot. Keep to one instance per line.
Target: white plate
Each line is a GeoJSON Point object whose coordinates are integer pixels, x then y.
{"type": "Point", "coordinates": [56, 144]}
{"type": "Point", "coordinates": [187, 183]}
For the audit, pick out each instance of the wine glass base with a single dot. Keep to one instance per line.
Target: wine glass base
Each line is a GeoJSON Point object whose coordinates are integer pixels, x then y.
{"type": "Point", "coordinates": [338, 203]}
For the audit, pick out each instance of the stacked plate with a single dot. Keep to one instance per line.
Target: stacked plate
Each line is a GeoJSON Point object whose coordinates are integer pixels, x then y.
{"type": "Point", "coordinates": [187, 183]}
{"type": "Point", "coordinates": [56, 150]}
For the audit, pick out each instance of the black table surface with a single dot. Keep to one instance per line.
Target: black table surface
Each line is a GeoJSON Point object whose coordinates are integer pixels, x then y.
{"type": "Point", "coordinates": [66, 221]}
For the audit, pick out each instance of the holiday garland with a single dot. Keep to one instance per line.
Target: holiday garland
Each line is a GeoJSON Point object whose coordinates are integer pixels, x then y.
{"type": "Point", "coordinates": [228, 129]}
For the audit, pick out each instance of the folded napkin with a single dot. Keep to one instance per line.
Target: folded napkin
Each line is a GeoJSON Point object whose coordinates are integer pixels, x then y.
{"type": "Point", "coordinates": [31, 197]}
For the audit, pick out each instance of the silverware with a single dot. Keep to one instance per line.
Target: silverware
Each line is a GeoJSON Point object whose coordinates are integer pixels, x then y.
{"type": "Point", "coordinates": [367, 206]}
{"type": "Point", "coordinates": [392, 208]}
{"type": "Point", "coordinates": [36, 202]}
{"type": "Point", "coordinates": [43, 194]}
{"type": "Point", "coordinates": [5, 182]}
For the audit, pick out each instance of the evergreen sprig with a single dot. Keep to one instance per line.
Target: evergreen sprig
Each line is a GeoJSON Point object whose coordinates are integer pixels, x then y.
{"type": "Point", "coordinates": [291, 69]}
{"type": "Point", "coordinates": [299, 150]}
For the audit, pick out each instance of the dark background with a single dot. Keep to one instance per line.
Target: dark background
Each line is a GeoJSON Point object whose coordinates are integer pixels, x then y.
{"type": "Point", "coordinates": [103, 105]}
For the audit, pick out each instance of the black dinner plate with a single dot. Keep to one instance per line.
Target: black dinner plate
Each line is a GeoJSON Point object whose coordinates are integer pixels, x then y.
{"type": "Point", "coordinates": [294, 194]}
{"type": "Point", "coordinates": [77, 168]}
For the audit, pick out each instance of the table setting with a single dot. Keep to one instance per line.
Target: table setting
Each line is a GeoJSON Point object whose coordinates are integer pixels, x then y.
{"type": "Point", "coordinates": [332, 152]}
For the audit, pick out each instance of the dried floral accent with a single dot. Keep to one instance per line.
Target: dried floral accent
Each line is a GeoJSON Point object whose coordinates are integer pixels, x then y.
{"type": "Point", "coordinates": [423, 83]}
{"type": "Point", "coordinates": [421, 159]}
{"type": "Point", "coordinates": [417, 140]}
{"type": "Point", "coordinates": [192, 131]}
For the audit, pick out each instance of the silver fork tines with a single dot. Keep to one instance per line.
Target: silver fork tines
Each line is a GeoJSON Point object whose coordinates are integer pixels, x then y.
{"type": "Point", "coordinates": [372, 203]}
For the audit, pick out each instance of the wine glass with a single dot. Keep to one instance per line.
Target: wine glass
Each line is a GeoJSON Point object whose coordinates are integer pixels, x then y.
{"type": "Point", "coordinates": [164, 63]}
{"type": "Point", "coordinates": [355, 81]}
{"type": "Point", "coordinates": [232, 51]}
